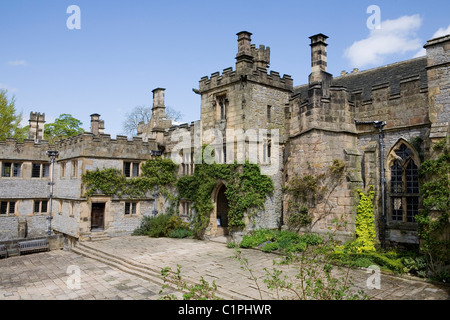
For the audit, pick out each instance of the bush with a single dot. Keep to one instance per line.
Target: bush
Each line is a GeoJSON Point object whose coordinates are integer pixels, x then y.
{"type": "Point", "coordinates": [163, 225]}
{"type": "Point", "coordinates": [180, 233]}
{"type": "Point", "coordinates": [158, 226]}
{"type": "Point", "coordinates": [270, 246]}
{"type": "Point", "coordinates": [287, 241]}
{"type": "Point", "coordinates": [143, 229]}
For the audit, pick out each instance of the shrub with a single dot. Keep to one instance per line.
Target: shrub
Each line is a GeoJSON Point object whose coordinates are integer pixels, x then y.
{"type": "Point", "coordinates": [144, 228]}
{"type": "Point", "coordinates": [311, 239]}
{"type": "Point", "coordinates": [158, 226]}
{"type": "Point", "coordinates": [180, 233]}
{"type": "Point", "coordinates": [270, 246]}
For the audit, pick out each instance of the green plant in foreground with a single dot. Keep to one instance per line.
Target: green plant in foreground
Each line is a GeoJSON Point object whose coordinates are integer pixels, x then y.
{"type": "Point", "coordinates": [197, 291]}
{"type": "Point", "coordinates": [313, 278]}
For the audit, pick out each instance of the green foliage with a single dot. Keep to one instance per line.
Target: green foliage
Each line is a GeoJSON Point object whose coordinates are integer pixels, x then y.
{"type": "Point", "coordinates": [246, 189]}
{"type": "Point", "coordinates": [159, 226]}
{"type": "Point", "coordinates": [144, 227]}
{"type": "Point", "coordinates": [180, 233]}
{"type": "Point", "coordinates": [197, 291]}
{"type": "Point", "coordinates": [64, 126]}
{"type": "Point", "coordinates": [365, 223]}
{"type": "Point", "coordinates": [10, 119]}
{"type": "Point", "coordinates": [285, 241]}
{"type": "Point", "coordinates": [111, 181]}
{"type": "Point", "coordinates": [163, 225]}
{"type": "Point", "coordinates": [434, 219]}
{"type": "Point", "coordinates": [307, 191]}
{"type": "Point", "coordinates": [314, 278]}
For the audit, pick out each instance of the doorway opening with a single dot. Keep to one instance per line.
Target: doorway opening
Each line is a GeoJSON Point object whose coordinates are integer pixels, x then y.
{"type": "Point", "coordinates": [222, 212]}
{"type": "Point", "coordinates": [98, 217]}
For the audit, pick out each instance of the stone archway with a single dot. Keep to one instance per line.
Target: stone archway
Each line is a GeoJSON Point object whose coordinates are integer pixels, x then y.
{"type": "Point", "coordinates": [222, 209]}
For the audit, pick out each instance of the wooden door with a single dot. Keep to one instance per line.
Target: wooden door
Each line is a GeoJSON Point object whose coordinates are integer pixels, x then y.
{"type": "Point", "coordinates": [98, 216]}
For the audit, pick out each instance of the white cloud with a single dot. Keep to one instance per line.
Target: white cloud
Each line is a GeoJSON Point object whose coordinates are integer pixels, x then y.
{"type": "Point", "coordinates": [8, 88]}
{"type": "Point", "coordinates": [441, 32]}
{"type": "Point", "coordinates": [17, 63]}
{"type": "Point", "coordinates": [394, 37]}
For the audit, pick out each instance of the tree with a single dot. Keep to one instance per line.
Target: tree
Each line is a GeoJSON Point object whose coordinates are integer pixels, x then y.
{"type": "Point", "coordinates": [143, 113]}
{"type": "Point", "coordinates": [10, 119]}
{"type": "Point", "coordinates": [64, 126]}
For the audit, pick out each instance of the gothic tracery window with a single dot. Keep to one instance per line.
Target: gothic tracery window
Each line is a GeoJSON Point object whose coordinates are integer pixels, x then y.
{"type": "Point", "coordinates": [404, 185]}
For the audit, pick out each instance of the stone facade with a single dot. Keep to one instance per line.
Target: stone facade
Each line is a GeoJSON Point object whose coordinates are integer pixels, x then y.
{"type": "Point", "coordinates": [24, 190]}
{"type": "Point", "coordinates": [380, 123]}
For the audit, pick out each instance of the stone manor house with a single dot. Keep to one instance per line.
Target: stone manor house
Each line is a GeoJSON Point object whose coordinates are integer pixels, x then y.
{"type": "Point", "coordinates": [379, 122]}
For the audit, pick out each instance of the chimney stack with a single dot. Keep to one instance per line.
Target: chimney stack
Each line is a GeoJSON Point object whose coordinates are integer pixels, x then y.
{"type": "Point", "coordinates": [36, 130]}
{"type": "Point", "coordinates": [97, 125]}
{"type": "Point", "coordinates": [318, 56]}
{"type": "Point", "coordinates": [244, 58]}
{"type": "Point", "coordinates": [159, 109]}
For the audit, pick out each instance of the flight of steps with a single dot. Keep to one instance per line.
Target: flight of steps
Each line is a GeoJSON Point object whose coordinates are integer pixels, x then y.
{"type": "Point", "coordinates": [98, 236]}
{"type": "Point", "coordinates": [141, 270]}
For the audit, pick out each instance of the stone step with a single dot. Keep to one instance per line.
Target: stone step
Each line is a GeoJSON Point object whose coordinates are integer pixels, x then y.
{"type": "Point", "coordinates": [142, 270]}
{"type": "Point", "coordinates": [99, 236]}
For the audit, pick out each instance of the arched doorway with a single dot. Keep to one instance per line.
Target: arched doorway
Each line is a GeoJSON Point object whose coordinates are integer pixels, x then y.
{"type": "Point", "coordinates": [222, 212]}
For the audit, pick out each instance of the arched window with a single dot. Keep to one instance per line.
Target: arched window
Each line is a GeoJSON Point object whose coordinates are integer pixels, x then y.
{"type": "Point", "coordinates": [404, 184]}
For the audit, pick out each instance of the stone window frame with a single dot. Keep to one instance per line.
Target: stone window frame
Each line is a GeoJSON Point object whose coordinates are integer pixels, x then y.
{"type": "Point", "coordinates": [43, 173]}
{"type": "Point", "coordinates": [7, 205]}
{"type": "Point", "coordinates": [185, 208]}
{"type": "Point", "coordinates": [74, 169]}
{"type": "Point", "coordinates": [39, 203]}
{"type": "Point", "coordinates": [187, 163]}
{"type": "Point", "coordinates": [221, 102]}
{"type": "Point", "coordinates": [130, 205]}
{"type": "Point", "coordinates": [11, 169]}
{"type": "Point", "coordinates": [62, 169]}
{"type": "Point", "coordinates": [134, 169]}
{"type": "Point", "coordinates": [269, 113]}
{"type": "Point", "coordinates": [407, 198]}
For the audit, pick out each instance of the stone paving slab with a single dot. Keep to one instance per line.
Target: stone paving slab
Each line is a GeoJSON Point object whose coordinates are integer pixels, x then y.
{"type": "Point", "coordinates": [45, 275]}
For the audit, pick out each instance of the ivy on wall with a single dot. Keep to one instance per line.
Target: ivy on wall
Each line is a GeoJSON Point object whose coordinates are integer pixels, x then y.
{"type": "Point", "coordinates": [434, 218]}
{"type": "Point", "coordinates": [111, 182]}
{"type": "Point", "coordinates": [365, 223]}
{"type": "Point", "coordinates": [246, 189]}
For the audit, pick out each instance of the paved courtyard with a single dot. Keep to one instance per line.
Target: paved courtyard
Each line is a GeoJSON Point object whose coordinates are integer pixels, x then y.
{"type": "Point", "coordinates": [53, 275]}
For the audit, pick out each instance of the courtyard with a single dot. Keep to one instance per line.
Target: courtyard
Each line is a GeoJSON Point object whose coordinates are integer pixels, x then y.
{"type": "Point", "coordinates": [128, 268]}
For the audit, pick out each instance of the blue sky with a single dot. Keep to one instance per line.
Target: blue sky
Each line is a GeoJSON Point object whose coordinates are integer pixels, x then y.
{"type": "Point", "coordinates": [125, 49]}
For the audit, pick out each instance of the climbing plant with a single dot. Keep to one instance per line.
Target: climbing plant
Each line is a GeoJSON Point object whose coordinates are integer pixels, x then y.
{"type": "Point", "coordinates": [111, 182]}
{"type": "Point", "coordinates": [309, 190]}
{"type": "Point", "coordinates": [246, 190]}
{"type": "Point", "coordinates": [365, 223]}
{"type": "Point", "coordinates": [434, 218]}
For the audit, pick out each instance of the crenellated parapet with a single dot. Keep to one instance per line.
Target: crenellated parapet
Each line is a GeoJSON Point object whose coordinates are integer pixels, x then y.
{"type": "Point", "coordinates": [258, 75]}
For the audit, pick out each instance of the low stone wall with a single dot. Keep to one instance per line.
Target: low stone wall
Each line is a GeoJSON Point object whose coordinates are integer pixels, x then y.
{"type": "Point", "coordinates": [56, 242]}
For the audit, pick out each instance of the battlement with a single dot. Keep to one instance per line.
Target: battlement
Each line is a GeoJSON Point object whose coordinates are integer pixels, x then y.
{"type": "Point", "coordinates": [83, 145]}
{"type": "Point", "coordinates": [257, 75]}
{"type": "Point", "coordinates": [251, 65]}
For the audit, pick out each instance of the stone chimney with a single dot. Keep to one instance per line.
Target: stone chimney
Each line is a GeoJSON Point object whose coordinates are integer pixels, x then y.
{"type": "Point", "coordinates": [159, 108]}
{"type": "Point", "coordinates": [36, 131]}
{"type": "Point", "coordinates": [318, 57]}
{"type": "Point", "coordinates": [244, 58]}
{"type": "Point", "coordinates": [97, 125]}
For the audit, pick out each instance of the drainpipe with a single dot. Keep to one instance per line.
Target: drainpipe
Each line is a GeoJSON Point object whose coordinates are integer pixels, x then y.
{"type": "Point", "coordinates": [379, 125]}
{"type": "Point", "coordinates": [52, 154]}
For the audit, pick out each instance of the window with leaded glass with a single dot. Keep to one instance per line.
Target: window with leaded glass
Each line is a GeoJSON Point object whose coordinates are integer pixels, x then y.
{"type": "Point", "coordinates": [404, 186]}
